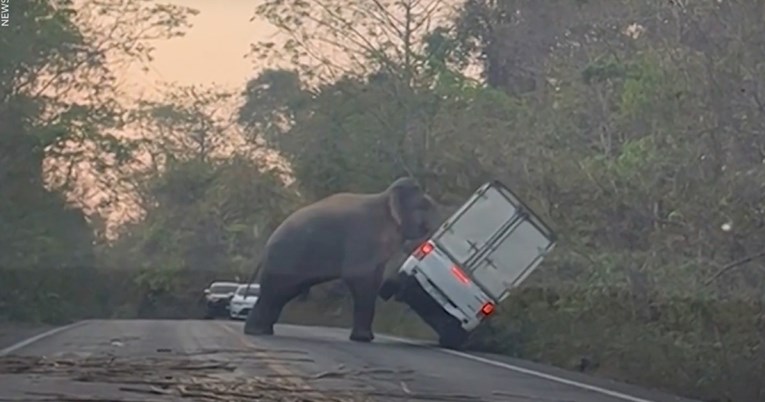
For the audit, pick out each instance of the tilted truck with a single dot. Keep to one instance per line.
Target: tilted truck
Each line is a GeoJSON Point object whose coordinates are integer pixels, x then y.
{"type": "Point", "coordinates": [456, 278]}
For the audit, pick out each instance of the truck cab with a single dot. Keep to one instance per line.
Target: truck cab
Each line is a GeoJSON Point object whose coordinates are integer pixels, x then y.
{"type": "Point", "coordinates": [456, 278]}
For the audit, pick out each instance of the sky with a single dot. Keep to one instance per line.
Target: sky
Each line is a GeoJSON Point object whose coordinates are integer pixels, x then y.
{"type": "Point", "coordinates": [212, 52]}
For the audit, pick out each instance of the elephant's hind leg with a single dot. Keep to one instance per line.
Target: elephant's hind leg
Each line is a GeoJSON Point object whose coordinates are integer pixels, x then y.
{"type": "Point", "coordinates": [254, 325]}
{"type": "Point", "coordinates": [275, 293]}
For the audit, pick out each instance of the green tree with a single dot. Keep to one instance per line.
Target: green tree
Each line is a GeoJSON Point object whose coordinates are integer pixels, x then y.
{"type": "Point", "coordinates": [207, 221]}
{"type": "Point", "coordinates": [378, 52]}
{"type": "Point", "coordinates": [209, 203]}
{"type": "Point", "coordinates": [57, 105]}
{"type": "Point", "coordinates": [639, 152]}
{"type": "Point", "coordinates": [635, 127]}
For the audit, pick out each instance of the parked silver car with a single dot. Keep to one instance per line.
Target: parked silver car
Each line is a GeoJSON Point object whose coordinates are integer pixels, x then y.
{"type": "Point", "coordinates": [217, 297]}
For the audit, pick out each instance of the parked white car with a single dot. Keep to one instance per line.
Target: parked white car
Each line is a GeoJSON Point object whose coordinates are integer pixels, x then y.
{"type": "Point", "coordinates": [242, 303]}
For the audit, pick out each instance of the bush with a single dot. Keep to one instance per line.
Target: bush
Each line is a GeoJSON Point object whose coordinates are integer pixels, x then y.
{"type": "Point", "coordinates": [703, 348]}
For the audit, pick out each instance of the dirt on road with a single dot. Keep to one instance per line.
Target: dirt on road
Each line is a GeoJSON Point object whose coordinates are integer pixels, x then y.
{"type": "Point", "coordinates": [175, 377]}
{"type": "Point", "coordinates": [206, 360]}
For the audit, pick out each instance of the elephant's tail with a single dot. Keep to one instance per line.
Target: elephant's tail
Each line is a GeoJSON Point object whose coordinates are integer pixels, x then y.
{"type": "Point", "coordinates": [252, 277]}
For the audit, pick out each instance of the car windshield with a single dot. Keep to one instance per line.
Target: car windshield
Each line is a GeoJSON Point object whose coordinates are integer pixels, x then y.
{"type": "Point", "coordinates": [254, 290]}
{"type": "Point", "coordinates": [222, 288]}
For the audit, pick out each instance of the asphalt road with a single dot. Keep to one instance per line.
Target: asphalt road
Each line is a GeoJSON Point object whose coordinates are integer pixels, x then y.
{"type": "Point", "coordinates": [311, 362]}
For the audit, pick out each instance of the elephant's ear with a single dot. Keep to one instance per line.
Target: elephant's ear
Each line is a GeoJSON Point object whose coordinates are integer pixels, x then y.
{"type": "Point", "coordinates": [395, 205]}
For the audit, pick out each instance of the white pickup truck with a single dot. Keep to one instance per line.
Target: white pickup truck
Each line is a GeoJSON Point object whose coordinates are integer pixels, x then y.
{"type": "Point", "coordinates": [454, 280]}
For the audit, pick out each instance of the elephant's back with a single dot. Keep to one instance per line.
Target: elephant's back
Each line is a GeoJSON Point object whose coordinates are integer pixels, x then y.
{"type": "Point", "coordinates": [331, 213]}
{"type": "Point", "coordinates": [309, 235]}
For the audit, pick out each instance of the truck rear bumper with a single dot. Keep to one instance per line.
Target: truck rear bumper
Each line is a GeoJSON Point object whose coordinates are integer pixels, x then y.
{"type": "Point", "coordinates": [426, 289]}
{"type": "Point", "coordinates": [449, 328]}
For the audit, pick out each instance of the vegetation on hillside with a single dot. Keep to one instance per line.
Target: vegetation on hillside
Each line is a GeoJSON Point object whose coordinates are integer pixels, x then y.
{"type": "Point", "coordinates": [636, 128]}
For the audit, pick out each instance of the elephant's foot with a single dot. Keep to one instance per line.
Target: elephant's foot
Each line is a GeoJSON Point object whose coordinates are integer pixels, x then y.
{"type": "Point", "coordinates": [258, 330]}
{"type": "Point", "coordinates": [361, 336]}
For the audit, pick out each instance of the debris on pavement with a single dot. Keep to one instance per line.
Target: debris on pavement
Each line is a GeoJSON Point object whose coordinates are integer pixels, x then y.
{"type": "Point", "coordinates": [184, 378]}
{"type": "Point", "coordinates": [178, 377]}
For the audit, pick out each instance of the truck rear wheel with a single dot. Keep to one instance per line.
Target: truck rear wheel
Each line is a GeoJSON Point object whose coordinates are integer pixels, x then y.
{"type": "Point", "coordinates": [452, 336]}
{"type": "Point", "coordinates": [389, 288]}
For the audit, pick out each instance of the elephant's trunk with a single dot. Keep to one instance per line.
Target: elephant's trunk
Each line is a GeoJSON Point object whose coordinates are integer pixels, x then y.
{"type": "Point", "coordinates": [436, 215]}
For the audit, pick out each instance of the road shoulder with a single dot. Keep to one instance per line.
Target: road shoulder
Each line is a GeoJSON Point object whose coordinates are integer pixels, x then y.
{"type": "Point", "coordinates": [634, 390]}
{"type": "Point", "coordinates": [601, 385]}
{"type": "Point", "coordinates": [12, 333]}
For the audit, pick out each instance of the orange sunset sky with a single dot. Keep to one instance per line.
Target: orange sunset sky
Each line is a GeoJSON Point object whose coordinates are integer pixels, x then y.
{"type": "Point", "coordinates": [212, 52]}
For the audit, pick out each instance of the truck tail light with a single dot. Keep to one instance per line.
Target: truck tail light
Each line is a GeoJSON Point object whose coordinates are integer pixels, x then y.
{"type": "Point", "coordinates": [422, 251]}
{"type": "Point", "coordinates": [457, 272]}
{"type": "Point", "coordinates": [487, 309]}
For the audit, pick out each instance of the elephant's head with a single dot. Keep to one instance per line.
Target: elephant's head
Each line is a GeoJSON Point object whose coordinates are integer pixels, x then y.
{"type": "Point", "coordinates": [411, 208]}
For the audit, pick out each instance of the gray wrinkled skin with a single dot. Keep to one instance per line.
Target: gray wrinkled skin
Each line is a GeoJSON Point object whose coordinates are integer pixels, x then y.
{"type": "Point", "coordinates": [346, 236]}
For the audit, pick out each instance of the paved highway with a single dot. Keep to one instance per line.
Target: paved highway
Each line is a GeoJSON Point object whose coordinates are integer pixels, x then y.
{"type": "Point", "coordinates": [163, 360]}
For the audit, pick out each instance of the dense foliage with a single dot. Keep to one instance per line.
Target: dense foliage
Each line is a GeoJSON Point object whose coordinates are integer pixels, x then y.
{"type": "Point", "coordinates": [58, 103]}
{"type": "Point", "coordinates": [636, 128]}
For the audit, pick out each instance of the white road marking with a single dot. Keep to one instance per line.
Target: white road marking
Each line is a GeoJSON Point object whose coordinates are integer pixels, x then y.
{"type": "Point", "coordinates": [517, 369]}
{"type": "Point", "coordinates": [39, 337]}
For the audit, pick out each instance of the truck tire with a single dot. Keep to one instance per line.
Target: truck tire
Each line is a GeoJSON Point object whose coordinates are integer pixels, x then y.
{"type": "Point", "coordinates": [389, 288]}
{"type": "Point", "coordinates": [452, 337]}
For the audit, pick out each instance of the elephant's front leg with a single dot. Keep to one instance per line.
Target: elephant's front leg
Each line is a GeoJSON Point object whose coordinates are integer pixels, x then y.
{"type": "Point", "coordinates": [364, 294]}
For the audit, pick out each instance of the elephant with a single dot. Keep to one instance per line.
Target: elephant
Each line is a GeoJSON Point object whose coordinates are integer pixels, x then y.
{"type": "Point", "coordinates": [336, 291]}
{"type": "Point", "coordinates": [346, 236]}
